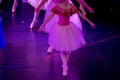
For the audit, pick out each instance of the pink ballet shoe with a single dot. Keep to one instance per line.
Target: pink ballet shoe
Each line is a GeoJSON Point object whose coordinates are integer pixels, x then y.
{"type": "Point", "coordinates": [33, 23]}
{"type": "Point", "coordinates": [14, 8]}
{"type": "Point", "coordinates": [49, 50]}
{"type": "Point", "coordinates": [65, 69]}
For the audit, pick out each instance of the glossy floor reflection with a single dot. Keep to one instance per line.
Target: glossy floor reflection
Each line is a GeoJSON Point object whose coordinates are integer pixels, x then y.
{"type": "Point", "coordinates": [25, 56]}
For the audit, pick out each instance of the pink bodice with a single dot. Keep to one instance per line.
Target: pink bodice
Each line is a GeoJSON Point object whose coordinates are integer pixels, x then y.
{"type": "Point", "coordinates": [64, 12]}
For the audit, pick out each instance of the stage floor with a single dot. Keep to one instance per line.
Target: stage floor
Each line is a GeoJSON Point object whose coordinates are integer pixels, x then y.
{"type": "Point", "coordinates": [25, 58]}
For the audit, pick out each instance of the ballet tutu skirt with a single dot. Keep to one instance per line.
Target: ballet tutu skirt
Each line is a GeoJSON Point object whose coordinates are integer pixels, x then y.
{"type": "Point", "coordinates": [66, 38]}
{"type": "Point", "coordinates": [74, 18]}
{"type": "Point", "coordinates": [54, 19]}
{"type": "Point", "coordinates": [35, 3]}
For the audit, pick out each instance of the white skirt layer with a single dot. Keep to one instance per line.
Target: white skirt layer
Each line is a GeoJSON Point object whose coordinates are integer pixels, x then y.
{"type": "Point", "coordinates": [35, 3]}
{"type": "Point", "coordinates": [65, 38]}
{"type": "Point", "coordinates": [74, 18]}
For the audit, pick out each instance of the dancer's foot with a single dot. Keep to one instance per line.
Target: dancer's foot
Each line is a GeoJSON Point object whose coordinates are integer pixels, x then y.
{"type": "Point", "coordinates": [33, 23]}
{"type": "Point", "coordinates": [14, 8]}
{"type": "Point", "coordinates": [65, 69]}
{"type": "Point", "coordinates": [49, 50]}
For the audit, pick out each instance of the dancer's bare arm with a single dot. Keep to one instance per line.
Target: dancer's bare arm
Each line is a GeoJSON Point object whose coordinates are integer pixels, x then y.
{"type": "Point", "coordinates": [84, 4]}
{"type": "Point", "coordinates": [86, 19]}
{"type": "Point", "coordinates": [83, 10]}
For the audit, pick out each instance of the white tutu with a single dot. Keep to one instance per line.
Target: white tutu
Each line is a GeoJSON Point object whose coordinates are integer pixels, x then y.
{"type": "Point", "coordinates": [74, 18]}
{"type": "Point", "coordinates": [65, 38]}
{"type": "Point", "coordinates": [35, 3]}
{"type": "Point", "coordinates": [54, 18]}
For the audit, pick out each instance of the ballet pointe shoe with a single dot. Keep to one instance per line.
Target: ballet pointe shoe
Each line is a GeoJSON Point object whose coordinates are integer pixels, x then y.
{"type": "Point", "coordinates": [65, 69]}
{"type": "Point", "coordinates": [34, 20]}
{"type": "Point", "coordinates": [32, 24]}
{"type": "Point", "coordinates": [14, 8]}
{"type": "Point", "coordinates": [49, 50]}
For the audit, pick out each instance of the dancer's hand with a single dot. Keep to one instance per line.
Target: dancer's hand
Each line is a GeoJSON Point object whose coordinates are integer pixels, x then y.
{"type": "Point", "coordinates": [92, 25]}
{"type": "Point", "coordinates": [40, 29]}
{"type": "Point", "coordinates": [91, 10]}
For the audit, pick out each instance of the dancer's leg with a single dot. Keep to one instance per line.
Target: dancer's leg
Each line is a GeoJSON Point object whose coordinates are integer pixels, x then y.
{"type": "Point", "coordinates": [14, 5]}
{"type": "Point", "coordinates": [36, 14]}
{"type": "Point", "coordinates": [64, 57]}
{"type": "Point", "coordinates": [49, 50]}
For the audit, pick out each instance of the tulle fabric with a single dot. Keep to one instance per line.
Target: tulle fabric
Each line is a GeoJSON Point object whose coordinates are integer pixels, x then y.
{"type": "Point", "coordinates": [74, 18]}
{"type": "Point", "coordinates": [65, 38]}
{"type": "Point", "coordinates": [53, 20]}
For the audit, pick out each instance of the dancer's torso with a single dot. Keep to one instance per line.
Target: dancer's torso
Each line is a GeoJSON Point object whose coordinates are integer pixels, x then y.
{"type": "Point", "coordinates": [64, 12]}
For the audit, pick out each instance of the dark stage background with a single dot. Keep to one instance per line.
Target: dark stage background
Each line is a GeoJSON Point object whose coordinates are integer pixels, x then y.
{"type": "Point", "coordinates": [106, 11]}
